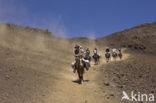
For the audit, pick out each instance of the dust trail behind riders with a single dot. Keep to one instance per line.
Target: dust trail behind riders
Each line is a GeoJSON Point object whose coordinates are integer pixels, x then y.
{"type": "Point", "coordinates": [31, 62]}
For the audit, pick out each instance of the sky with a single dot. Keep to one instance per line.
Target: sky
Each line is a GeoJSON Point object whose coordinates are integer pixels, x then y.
{"type": "Point", "coordinates": [78, 18]}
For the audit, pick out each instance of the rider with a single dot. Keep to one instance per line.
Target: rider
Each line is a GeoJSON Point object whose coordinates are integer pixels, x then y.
{"type": "Point", "coordinates": [114, 50]}
{"type": "Point", "coordinates": [87, 64]}
{"type": "Point", "coordinates": [95, 52]}
{"type": "Point", "coordinates": [76, 54]}
{"type": "Point", "coordinates": [87, 51]}
{"type": "Point", "coordinates": [87, 55]}
{"type": "Point", "coordinates": [79, 51]}
{"type": "Point", "coordinates": [107, 54]}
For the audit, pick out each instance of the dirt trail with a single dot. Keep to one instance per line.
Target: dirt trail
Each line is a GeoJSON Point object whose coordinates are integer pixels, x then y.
{"type": "Point", "coordinates": [69, 91]}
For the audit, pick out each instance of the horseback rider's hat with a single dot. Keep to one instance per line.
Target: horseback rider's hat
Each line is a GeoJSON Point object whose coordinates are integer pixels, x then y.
{"type": "Point", "coordinates": [77, 46]}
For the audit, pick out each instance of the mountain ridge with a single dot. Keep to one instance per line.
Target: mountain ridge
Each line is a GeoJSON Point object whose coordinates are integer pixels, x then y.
{"type": "Point", "coordinates": [140, 37]}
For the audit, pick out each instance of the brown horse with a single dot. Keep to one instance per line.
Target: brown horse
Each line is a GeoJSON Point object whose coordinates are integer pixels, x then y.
{"type": "Point", "coordinates": [80, 68]}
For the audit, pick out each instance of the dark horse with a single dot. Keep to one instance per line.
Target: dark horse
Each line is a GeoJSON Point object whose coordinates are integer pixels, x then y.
{"type": "Point", "coordinates": [96, 58]}
{"type": "Point", "coordinates": [120, 55]}
{"type": "Point", "coordinates": [107, 55]}
{"type": "Point", "coordinates": [80, 68]}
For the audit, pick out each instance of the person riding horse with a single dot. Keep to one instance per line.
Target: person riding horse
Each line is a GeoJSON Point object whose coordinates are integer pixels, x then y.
{"type": "Point", "coordinates": [96, 56]}
{"type": "Point", "coordinates": [87, 55]}
{"type": "Point", "coordinates": [79, 66]}
{"type": "Point", "coordinates": [114, 54]}
{"type": "Point", "coordinates": [86, 61]}
{"type": "Point", "coordinates": [87, 51]}
{"type": "Point", "coordinates": [107, 54]}
{"type": "Point", "coordinates": [76, 54]}
{"type": "Point", "coordinates": [79, 51]}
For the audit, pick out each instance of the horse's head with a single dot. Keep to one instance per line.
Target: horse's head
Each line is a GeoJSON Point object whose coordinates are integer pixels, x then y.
{"type": "Point", "coordinates": [80, 56]}
{"type": "Point", "coordinates": [78, 60]}
{"type": "Point", "coordinates": [81, 60]}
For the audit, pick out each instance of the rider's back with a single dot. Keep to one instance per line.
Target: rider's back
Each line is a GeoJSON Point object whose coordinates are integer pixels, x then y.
{"type": "Point", "coordinates": [76, 52]}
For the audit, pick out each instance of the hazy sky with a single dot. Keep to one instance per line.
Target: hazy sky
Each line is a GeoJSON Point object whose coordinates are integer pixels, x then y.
{"type": "Point", "coordinates": [70, 18]}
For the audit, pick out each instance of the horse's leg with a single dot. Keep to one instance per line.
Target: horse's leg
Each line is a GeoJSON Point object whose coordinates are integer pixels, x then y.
{"type": "Point", "coordinates": [82, 74]}
{"type": "Point", "coordinates": [96, 62]}
{"type": "Point", "coordinates": [120, 56]}
{"type": "Point", "coordinates": [82, 78]}
{"type": "Point", "coordinates": [79, 75]}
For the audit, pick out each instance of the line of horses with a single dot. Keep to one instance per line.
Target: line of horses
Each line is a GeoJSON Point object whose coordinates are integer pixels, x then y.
{"type": "Point", "coordinates": [80, 63]}
{"type": "Point", "coordinates": [114, 55]}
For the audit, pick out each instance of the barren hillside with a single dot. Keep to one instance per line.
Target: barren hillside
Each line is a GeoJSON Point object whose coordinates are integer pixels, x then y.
{"type": "Point", "coordinates": [35, 66]}
{"type": "Point", "coordinates": [141, 37]}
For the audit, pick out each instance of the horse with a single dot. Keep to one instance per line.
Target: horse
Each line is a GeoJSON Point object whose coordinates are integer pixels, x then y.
{"type": "Point", "coordinates": [96, 58]}
{"type": "Point", "coordinates": [107, 55]}
{"type": "Point", "coordinates": [80, 68]}
{"type": "Point", "coordinates": [120, 55]}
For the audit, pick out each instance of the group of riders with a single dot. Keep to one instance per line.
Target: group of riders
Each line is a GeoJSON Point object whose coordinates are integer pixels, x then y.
{"type": "Point", "coordinates": [84, 55]}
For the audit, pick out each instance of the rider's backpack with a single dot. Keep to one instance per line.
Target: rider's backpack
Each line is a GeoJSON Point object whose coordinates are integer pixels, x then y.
{"type": "Point", "coordinates": [76, 51]}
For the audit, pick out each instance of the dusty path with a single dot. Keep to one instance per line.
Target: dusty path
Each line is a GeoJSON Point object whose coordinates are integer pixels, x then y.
{"type": "Point", "coordinates": [37, 78]}
{"type": "Point", "coordinates": [32, 77]}
{"type": "Point", "coordinates": [69, 91]}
